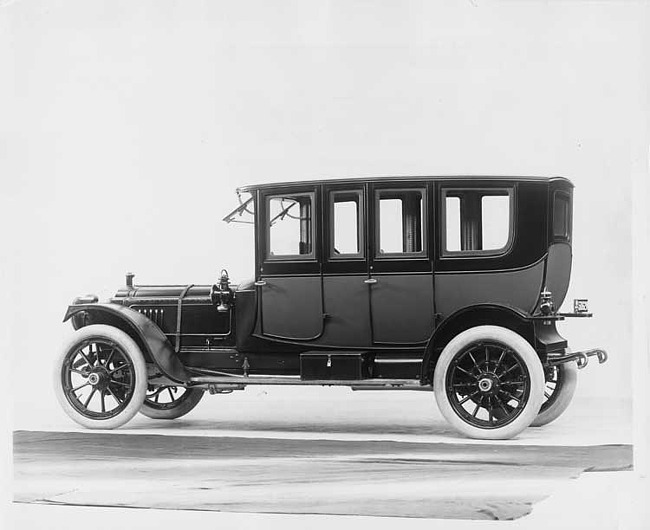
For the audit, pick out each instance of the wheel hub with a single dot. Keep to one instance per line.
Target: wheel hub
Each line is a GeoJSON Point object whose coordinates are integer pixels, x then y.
{"type": "Point", "coordinates": [488, 384]}
{"type": "Point", "coordinates": [485, 384]}
{"type": "Point", "coordinates": [99, 378]}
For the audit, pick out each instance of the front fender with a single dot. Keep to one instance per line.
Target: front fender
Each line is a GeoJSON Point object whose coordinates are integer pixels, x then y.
{"type": "Point", "coordinates": [149, 337]}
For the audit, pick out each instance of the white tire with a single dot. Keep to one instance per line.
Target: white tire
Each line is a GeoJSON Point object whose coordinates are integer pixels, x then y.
{"type": "Point", "coordinates": [100, 377]}
{"type": "Point", "coordinates": [489, 383]}
{"type": "Point", "coordinates": [561, 382]}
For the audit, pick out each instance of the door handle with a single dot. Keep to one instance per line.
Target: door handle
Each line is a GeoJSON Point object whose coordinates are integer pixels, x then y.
{"type": "Point", "coordinates": [370, 281]}
{"type": "Point", "coordinates": [260, 283]}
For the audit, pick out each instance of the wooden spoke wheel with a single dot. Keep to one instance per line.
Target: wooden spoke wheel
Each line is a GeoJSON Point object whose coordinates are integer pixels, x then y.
{"type": "Point", "coordinates": [561, 382]}
{"type": "Point", "coordinates": [100, 377]}
{"type": "Point", "coordinates": [170, 402]}
{"type": "Point", "coordinates": [489, 383]}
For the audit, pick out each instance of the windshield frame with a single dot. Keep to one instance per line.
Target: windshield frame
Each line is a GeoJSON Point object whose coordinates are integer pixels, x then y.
{"type": "Point", "coordinates": [236, 215]}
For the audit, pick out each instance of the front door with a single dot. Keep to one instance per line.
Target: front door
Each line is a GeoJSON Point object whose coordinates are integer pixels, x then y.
{"type": "Point", "coordinates": [400, 267]}
{"type": "Point", "coordinates": [289, 277]}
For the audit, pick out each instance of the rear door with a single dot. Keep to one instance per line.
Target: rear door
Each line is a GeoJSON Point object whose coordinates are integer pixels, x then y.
{"type": "Point", "coordinates": [400, 271]}
{"type": "Point", "coordinates": [345, 266]}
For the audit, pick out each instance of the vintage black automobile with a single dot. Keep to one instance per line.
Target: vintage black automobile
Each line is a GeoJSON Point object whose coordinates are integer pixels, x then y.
{"type": "Point", "coordinates": [450, 284]}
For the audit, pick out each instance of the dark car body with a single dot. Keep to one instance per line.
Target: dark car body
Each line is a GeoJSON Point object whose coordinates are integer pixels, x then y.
{"type": "Point", "coordinates": [368, 315]}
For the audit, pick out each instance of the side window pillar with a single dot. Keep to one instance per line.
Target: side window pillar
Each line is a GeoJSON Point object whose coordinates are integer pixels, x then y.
{"type": "Point", "coordinates": [305, 225]}
{"type": "Point", "coordinates": [471, 224]}
{"type": "Point", "coordinates": [411, 225]}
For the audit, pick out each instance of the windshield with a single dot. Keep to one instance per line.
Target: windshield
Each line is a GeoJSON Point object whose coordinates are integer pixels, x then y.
{"type": "Point", "coordinates": [244, 213]}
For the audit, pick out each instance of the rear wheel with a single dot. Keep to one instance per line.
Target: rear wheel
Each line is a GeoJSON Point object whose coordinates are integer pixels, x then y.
{"type": "Point", "coordinates": [489, 383]}
{"type": "Point", "coordinates": [561, 382]}
{"type": "Point", "coordinates": [100, 377]}
{"type": "Point", "coordinates": [170, 402]}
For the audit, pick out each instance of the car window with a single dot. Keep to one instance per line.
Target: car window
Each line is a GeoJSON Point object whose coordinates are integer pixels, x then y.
{"type": "Point", "coordinates": [400, 222]}
{"type": "Point", "coordinates": [477, 221]}
{"type": "Point", "coordinates": [562, 215]}
{"type": "Point", "coordinates": [290, 225]}
{"type": "Point", "coordinates": [453, 223]}
{"type": "Point", "coordinates": [345, 217]}
{"type": "Point", "coordinates": [495, 221]}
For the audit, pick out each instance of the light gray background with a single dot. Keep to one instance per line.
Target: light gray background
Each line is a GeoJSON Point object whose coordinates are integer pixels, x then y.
{"type": "Point", "coordinates": [130, 124]}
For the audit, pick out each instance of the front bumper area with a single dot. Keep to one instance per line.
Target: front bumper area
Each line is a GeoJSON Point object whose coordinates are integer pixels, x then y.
{"type": "Point", "coordinates": [581, 357]}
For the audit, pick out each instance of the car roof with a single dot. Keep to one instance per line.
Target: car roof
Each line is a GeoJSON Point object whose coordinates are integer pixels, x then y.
{"type": "Point", "coordinates": [403, 178]}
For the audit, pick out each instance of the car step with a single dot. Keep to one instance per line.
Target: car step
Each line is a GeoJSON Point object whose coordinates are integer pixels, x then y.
{"type": "Point", "coordinates": [235, 381]}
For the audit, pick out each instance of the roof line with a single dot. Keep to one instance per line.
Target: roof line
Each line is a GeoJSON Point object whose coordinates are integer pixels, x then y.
{"type": "Point", "coordinates": [402, 178]}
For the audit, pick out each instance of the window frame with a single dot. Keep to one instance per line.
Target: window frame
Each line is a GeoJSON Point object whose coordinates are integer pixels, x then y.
{"type": "Point", "coordinates": [361, 212]}
{"type": "Point", "coordinates": [424, 215]}
{"type": "Point", "coordinates": [483, 191]}
{"type": "Point", "coordinates": [312, 256]}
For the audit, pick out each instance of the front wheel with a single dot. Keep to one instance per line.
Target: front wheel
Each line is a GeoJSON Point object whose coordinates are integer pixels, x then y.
{"type": "Point", "coordinates": [170, 402]}
{"type": "Point", "coordinates": [489, 383]}
{"type": "Point", "coordinates": [100, 377]}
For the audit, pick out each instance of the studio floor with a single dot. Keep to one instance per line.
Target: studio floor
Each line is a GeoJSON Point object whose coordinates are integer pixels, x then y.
{"type": "Point", "coordinates": [323, 454]}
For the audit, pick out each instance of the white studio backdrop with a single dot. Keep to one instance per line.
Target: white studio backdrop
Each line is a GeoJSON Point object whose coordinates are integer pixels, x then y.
{"type": "Point", "coordinates": [132, 123]}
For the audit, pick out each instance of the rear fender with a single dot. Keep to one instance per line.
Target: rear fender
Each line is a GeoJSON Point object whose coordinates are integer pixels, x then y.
{"type": "Point", "coordinates": [469, 317]}
{"type": "Point", "coordinates": [149, 337]}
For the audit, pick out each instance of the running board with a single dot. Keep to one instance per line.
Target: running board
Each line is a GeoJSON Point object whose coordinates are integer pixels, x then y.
{"type": "Point", "coordinates": [419, 387]}
{"type": "Point", "coordinates": [235, 382]}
